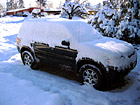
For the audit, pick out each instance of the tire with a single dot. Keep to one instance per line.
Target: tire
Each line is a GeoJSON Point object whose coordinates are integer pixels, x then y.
{"type": "Point", "coordinates": [92, 76]}
{"type": "Point", "coordinates": [28, 60]}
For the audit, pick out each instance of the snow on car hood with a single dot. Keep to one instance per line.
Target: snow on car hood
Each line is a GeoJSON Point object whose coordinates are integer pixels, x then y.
{"type": "Point", "coordinates": [115, 47]}
{"type": "Point", "coordinates": [108, 51]}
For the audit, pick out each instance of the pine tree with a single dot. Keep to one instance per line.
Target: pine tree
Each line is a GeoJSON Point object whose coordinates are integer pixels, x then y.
{"type": "Point", "coordinates": [129, 27]}
{"type": "Point", "coordinates": [105, 20]}
{"type": "Point", "coordinates": [120, 19]}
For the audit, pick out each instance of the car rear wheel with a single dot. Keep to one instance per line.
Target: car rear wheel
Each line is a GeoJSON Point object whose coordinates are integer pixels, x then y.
{"type": "Point", "coordinates": [28, 59]}
{"type": "Point", "coordinates": [91, 75]}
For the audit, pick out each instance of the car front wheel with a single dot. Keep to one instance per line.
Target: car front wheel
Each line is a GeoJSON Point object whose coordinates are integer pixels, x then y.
{"type": "Point", "coordinates": [91, 75]}
{"type": "Point", "coordinates": [28, 59]}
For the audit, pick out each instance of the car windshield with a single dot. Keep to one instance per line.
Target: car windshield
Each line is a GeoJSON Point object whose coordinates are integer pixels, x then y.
{"type": "Point", "coordinates": [80, 31]}
{"type": "Point", "coordinates": [86, 33]}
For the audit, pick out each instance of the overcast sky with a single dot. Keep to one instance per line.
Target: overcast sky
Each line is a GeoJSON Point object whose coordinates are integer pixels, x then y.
{"type": "Point", "coordinates": [29, 3]}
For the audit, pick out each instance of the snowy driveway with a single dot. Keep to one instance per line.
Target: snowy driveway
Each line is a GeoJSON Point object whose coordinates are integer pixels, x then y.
{"type": "Point", "coordinates": [20, 85]}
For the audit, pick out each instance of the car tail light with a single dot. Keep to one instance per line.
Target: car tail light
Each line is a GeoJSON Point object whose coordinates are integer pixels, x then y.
{"type": "Point", "coordinates": [18, 40]}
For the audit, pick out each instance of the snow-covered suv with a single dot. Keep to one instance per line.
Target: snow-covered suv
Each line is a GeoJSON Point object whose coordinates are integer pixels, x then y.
{"type": "Point", "coordinates": [76, 46]}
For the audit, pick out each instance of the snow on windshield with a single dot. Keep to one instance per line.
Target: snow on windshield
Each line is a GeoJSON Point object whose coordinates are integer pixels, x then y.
{"type": "Point", "coordinates": [81, 31]}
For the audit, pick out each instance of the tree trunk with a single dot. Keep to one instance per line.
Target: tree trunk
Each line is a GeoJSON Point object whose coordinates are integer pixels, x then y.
{"type": "Point", "coordinates": [70, 16]}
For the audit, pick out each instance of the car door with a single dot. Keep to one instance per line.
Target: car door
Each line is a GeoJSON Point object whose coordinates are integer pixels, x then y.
{"type": "Point", "coordinates": [56, 56]}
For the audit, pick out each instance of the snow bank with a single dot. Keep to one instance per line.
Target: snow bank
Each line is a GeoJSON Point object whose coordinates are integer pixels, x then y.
{"type": "Point", "coordinates": [9, 28]}
{"type": "Point", "coordinates": [11, 19]}
{"type": "Point", "coordinates": [13, 90]}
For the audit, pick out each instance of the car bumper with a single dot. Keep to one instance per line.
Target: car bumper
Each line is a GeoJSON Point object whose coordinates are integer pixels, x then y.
{"type": "Point", "coordinates": [18, 48]}
{"type": "Point", "coordinates": [113, 73]}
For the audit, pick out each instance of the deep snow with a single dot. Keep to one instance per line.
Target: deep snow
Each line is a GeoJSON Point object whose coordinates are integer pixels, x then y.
{"type": "Point", "coordinates": [19, 85]}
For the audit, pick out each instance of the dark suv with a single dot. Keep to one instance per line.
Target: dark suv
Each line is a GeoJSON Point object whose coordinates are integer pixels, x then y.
{"type": "Point", "coordinates": [76, 46]}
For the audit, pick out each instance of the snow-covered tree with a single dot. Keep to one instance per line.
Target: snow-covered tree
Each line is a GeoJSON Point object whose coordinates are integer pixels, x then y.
{"type": "Point", "coordinates": [105, 20]}
{"type": "Point", "coordinates": [120, 19]}
{"type": "Point", "coordinates": [15, 4]}
{"type": "Point", "coordinates": [98, 6]}
{"type": "Point", "coordinates": [129, 27]}
{"type": "Point", "coordinates": [20, 4]}
{"type": "Point", "coordinates": [70, 9]}
{"type": "Point", "coordinates": [10, 5]}
{"type": "Point", "coordinates": [1, 8]}
{"type": "Point", "coordinates": [42, 3]}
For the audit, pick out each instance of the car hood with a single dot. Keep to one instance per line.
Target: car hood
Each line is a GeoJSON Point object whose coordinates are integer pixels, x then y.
{"type": "Point", "coordinates": [111, 47]}
{"type": "Point", "coordinates": [108, 51]}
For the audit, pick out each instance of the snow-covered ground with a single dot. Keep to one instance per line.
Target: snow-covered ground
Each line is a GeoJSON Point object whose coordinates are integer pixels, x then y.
{"type": "Point", "coordinates": [19, 85]}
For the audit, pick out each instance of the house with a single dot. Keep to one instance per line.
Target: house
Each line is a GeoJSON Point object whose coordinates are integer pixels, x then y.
{"type": "Point", "coordinates": [21, 11]}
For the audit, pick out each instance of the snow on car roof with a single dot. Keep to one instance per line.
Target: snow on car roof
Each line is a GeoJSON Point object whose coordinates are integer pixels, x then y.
{"type": "Point", "coordinates": [55, 29]}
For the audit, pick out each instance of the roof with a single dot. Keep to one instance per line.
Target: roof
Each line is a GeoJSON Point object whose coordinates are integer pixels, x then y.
{"type": "Point", "coordinates": [15, 10]}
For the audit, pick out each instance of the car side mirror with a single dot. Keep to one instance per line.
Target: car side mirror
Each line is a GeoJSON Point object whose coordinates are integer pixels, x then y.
{"type": "Point", "coordinates": [65, 43]}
